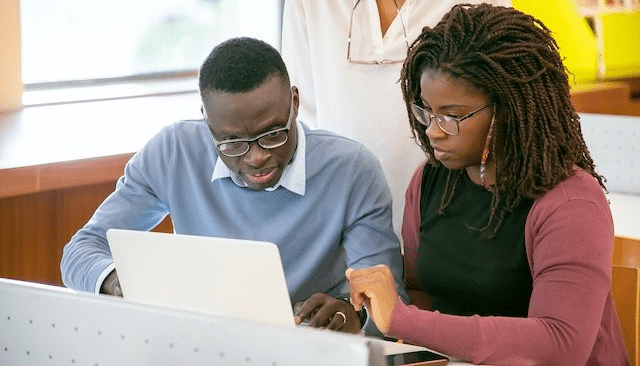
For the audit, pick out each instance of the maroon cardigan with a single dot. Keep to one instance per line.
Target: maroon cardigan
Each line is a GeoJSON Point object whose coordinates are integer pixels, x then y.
{"type": "Point", "coordinates": [571, 319]}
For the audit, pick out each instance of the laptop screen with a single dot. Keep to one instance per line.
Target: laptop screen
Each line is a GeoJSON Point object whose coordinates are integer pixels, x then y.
{"type": "Point", "coordinates": [226, 277]}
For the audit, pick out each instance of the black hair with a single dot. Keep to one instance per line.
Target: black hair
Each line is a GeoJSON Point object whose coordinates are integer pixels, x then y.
{"type": "Point", "coordinates": [537, 138]}
{"type": "Point", "coordinates": [240, 65]}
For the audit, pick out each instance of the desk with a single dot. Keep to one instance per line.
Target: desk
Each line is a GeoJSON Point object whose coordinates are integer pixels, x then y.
{"type": "Point", "coordinates": [392, 348]}
{"type": "Point", "coordinates": [36, 328]}
{"type": "Point", "coordinates": [50, 147]}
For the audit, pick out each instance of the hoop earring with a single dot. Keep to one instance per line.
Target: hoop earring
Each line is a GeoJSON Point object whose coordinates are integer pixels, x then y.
{"type": "Point", "coordinates": [485, 154]}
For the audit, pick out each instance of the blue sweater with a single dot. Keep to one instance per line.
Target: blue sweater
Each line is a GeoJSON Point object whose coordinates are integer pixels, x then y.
{"type": "Point", "coordinates": [343, 219]}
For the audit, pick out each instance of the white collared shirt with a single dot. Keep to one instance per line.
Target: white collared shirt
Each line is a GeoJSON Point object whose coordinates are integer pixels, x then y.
{"type": "Point", "coordinates": [293, 178]}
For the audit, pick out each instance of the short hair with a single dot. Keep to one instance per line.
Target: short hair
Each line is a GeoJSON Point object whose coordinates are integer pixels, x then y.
{"type": "Point", "coordinates": [240, 65]}
{"type": "Point", "coordinates": [512, 57]}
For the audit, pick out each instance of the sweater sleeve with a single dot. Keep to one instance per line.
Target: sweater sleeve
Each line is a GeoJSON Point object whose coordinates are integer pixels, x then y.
{"type": "Point", "coordinates": [411, 239]}
{"type": "Point", "coordinates": [133, 205]}
{"type": "Point", "coordinates": [569, 239]}
{"type": "Point", "coordinates": [368, 237]}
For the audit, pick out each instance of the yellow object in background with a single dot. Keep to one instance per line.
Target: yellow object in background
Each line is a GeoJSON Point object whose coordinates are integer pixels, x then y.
{"type": "Point", "coordinates": [620, 44]}
{"type": "Point", "coordinates": [576, 40]}
{"type": "Point", "coordinates": [613, 52]}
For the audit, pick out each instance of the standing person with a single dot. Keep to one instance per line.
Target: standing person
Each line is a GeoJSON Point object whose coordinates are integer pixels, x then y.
{"type": "Point", "coordinates": [346, 56]}
{"type": "Point", "coordinates": [250, 170]}
{"type": "Point", "coordinates": [508, 234]}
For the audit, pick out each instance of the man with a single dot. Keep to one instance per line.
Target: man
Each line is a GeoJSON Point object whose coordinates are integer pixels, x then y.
{"type": "Point", "coordinates": [249, 170]}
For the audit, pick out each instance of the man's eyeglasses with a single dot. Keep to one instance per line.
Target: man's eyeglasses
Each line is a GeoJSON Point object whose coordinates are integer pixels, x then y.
{"type": "Point", "coordinates": [449, 125]}
{"type": "Point", "coordinates": [374, 62]}
{"type": "Point", "coordinates": [268, 140]}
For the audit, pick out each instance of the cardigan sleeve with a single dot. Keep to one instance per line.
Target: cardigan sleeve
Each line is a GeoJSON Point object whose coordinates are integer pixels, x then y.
{"type": "Point", "coordinates": [569, 240]}
{"type": "Point", "coordinates": [411, 239]}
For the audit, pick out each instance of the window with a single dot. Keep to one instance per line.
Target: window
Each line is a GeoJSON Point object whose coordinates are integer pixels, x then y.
{"type": "Point", "coordinates": [120, 44]}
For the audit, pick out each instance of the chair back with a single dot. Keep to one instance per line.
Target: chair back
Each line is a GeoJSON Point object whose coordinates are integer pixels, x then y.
{"type": "Point", "coordinates": [626, 292]}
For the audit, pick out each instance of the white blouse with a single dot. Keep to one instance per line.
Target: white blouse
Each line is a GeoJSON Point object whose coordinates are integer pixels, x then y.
{"type": "Point", "coordinates": [360, 101]}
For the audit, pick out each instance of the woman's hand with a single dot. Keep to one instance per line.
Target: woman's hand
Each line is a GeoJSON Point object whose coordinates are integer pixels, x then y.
{"type": "Point", "coordinates": [373, 287]}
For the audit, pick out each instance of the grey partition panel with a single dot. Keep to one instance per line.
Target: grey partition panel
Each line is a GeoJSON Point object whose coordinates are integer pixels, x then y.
{"type": "Point", "coordinates": [47, 325]}
{"type": "Point", "coordinates": [614, 145]}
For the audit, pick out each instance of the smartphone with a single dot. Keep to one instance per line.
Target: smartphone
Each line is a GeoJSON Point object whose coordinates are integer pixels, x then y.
{"type": "Point", "coordinates": [418, 358]}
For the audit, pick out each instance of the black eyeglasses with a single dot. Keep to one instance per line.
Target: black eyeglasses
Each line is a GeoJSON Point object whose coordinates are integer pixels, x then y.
{"type": "Point", "coordinates": [449, 125]}
{"type": "Point", "coordinates": [374, 62]}
{"type": "Point", "coordinates": [268, 140]}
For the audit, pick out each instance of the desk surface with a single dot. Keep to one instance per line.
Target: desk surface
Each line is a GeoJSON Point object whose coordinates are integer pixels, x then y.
{"type": "Point", "coordinates": [47, 147]}
{"type": "Point", "coordinates": [61, 133]}
{"type": "Point", "coordinates": [392, 348]}
{"type": "Point", "coordinates": [58, 133]}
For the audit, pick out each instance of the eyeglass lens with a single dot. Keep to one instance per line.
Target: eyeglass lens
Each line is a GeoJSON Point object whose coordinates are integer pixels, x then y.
{"type": "Point", "coordinates": [271, 140]}
{"type": "Point", "coordinates": [449, 125]}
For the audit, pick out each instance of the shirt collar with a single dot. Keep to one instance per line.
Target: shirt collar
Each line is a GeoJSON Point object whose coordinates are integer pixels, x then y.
{"type": "Point", "coordinates": [293, 178]}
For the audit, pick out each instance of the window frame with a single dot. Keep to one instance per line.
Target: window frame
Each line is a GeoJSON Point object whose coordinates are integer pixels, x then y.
{"type": "Point", "coordinates": [14, 94]}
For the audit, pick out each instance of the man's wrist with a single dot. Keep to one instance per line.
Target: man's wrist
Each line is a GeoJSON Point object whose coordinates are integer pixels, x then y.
{"type": "Point", "coordinates": [111, 285]}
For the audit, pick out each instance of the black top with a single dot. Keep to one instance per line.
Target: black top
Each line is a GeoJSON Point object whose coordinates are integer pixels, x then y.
{"type": "Point", "coordinates": [457, 266]}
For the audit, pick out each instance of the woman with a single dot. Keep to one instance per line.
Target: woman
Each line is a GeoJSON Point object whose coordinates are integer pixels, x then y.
{"type": "Point", "coordinates": [508, 234]}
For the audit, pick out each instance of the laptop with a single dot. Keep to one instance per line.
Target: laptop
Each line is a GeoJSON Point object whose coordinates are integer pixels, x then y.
{"type": "Point", "coordinates": [226, 277]}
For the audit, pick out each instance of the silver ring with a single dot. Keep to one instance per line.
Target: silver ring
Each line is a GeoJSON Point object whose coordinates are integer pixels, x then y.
{"type": "Point", "coordinates": [344, 317]}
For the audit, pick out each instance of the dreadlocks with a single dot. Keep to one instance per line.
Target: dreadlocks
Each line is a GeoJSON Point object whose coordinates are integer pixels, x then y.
{"type": "Point", "coordinates": [537, 139]}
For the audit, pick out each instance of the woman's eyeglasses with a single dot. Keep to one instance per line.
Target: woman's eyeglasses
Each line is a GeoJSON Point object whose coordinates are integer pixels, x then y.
{"type": "Point", "coordinates": [374, 62]}
{"type": "Point", "coordinates": [449, 125]}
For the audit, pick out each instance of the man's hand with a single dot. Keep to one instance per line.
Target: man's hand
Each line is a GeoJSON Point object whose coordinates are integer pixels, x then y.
{"type": "Point", "coordinates": [375, 288]}
{"type": "Point", "coordinates": [324, 311]}
{"type": "Point", "coordinates": [111, 285]}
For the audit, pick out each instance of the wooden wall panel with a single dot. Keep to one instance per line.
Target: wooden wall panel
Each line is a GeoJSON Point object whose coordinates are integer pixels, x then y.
{"type": "Point", "coordinates": [35, 227]}
{"type": "Point", "coordinates": [612, 97]}
{"type": "Point", "coordinates": [29, 224]}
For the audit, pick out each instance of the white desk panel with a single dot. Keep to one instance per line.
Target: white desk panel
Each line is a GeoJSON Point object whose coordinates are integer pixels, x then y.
{"type": "Point", "coordinates": [625, 209]}
{"type": "Point", "coordinates": [50, 325]}
{"type": "Point", "coordinates": [613, 144]}
{"type": "Point", "coordinates": [47, 325]}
